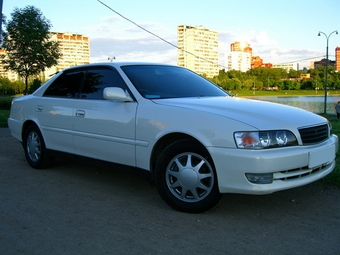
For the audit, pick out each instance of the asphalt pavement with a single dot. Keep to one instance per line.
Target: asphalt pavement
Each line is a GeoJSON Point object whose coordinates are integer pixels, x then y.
{"type": "Point", "coordinates": [4, 132]}
{"type": "Point", "coordinates": [77, 208]}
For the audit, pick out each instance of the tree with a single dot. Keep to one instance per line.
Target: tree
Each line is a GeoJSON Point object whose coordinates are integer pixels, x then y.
{"type": "Point", "coordinates": [4, 85]}
{"type": "Point", "coordinates": [34, 85]}
{"type": "Point", "coordinates": [18, 87]}
{"type": "Point", "coordinates": [29, 50]}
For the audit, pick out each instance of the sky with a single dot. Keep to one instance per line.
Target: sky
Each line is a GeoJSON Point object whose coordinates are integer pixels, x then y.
{"type": "Point", "coordinates": [279, 31]}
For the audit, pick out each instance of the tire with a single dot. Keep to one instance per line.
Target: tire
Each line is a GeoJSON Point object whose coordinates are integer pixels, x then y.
{"type": "Point", "coordinates": [186, 178]}
{"type": "Point", "coordinates": [35, 150]}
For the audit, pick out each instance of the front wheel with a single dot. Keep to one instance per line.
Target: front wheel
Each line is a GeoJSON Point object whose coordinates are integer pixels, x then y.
{"type": "Point", "coordinates": [185, 177]}
{"type": "Point", "coordinates": [35, 149]}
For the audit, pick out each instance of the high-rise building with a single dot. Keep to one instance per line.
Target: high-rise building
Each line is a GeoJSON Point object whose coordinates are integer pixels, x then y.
{"type": "Point", "coordinates": [238, 60]}
{"type": "Point", "coordinates": [241, 46]}
{"type": "Point", "coordinates": [4, 73]}
{"type": "Point", "coordinates": [323, 62]}
{"type": "Point", "coordinates": [256, 62]}
{"type": "Point", "coordinates": [337, 58]}
{"type": "Point", "coordinates": [240, 56]}
{"type": "Point", "coordinates": [287, 66]}
{"type": "Point", "coordinates": [198, 50]}
{"type": "Point", "coordinates": [75, 50]}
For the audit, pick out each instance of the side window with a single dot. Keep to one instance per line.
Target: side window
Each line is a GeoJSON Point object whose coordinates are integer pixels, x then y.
{"type": "Point", "coordinates": [97, 80]}
{"type": "Point", "coordinates": [67, 85]}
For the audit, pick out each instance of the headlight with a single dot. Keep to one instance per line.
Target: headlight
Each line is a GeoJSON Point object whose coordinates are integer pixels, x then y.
{"type": "Point", "coordinates": [264, 139]}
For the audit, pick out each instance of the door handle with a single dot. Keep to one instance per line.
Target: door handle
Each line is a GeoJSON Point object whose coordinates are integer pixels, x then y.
{"type": "Point", "coordinates": [39, 108]}
{"type": "Point", "coordinates": [80, 113]}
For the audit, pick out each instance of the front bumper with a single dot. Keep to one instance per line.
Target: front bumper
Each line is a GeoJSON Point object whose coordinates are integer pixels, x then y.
{"type": "Point", "coordinates": [291, 166]}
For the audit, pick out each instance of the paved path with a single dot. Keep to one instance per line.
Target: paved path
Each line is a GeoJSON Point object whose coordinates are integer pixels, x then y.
{"type": "Point", "coordinates": [4, 132]}
{"type": "Point", "coordinates": [76, 208]}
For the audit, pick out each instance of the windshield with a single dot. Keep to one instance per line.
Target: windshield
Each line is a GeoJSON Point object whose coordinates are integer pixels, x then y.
{"type": "Point", "coordinates": [156, 82]}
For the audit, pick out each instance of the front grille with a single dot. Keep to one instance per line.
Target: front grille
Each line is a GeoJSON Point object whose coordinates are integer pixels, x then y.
{"type": "Point", "coordinates": [314, 134]}
{"type": "Point", "coordinates": [299, 172]}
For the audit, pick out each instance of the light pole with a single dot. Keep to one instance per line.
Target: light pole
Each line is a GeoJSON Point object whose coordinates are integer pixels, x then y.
{"type": "Point", "coordinates": [1, 3]}
{"type": "Point", "coordinates": [254, 86]}
{"type": "Point", "coordinates": [111, 59]}
{"type": "Point", "coordinates": [326, 82]}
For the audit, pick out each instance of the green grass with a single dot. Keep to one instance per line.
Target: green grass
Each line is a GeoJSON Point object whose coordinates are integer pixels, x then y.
{"type": "Point", "coordinates": [334, 177]}
{"type": "Point", "coordinates": [331, 179]}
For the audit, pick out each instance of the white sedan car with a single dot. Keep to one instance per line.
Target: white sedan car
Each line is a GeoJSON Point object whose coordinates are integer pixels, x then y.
{"type": "Point", "coordinates": [195, 139]}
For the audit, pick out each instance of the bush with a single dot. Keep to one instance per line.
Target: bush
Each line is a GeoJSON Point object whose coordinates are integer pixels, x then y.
{"type": "Point", "coordinates": [34, 86]}
{"type": "Point", "coordinates": [4, 114]}
{"type": "Point", "coordinates": [5, 103]}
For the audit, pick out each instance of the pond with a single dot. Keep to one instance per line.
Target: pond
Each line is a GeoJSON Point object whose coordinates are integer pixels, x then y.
{"type": "Point", "coordinates": [310, 103]}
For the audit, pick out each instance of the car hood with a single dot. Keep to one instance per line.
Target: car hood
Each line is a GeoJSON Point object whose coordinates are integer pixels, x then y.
{"type": "Point", "coordinates": [259, 114]}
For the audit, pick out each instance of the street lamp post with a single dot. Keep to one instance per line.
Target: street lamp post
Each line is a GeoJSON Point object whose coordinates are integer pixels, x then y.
{"type": "Point", "coordinates": [111, 59]}
{"type": "Point", "coordinates": [326, 82]}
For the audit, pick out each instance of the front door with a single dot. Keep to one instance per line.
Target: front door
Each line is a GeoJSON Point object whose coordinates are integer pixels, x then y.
{"type": "Point", "coordinates": [104, 129]}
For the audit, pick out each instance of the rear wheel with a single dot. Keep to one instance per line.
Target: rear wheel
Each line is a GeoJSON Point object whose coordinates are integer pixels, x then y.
{"type": "Point", "coordinates": [185, 177]}
{"type": "Point", "coordinates": [35, 149]}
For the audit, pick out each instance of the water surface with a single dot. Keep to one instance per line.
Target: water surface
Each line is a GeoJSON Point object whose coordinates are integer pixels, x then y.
{"type": "Point", "coordinates": [310, 103]}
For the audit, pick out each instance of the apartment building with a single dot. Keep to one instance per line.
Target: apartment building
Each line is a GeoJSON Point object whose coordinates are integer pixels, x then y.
{"type": "Point", "coordinates": [256, 62]}
{"type": "Point", "coordinates": [286, 66]}
{"type": "Point", "coordinates": [198, 50]}
{"type": "Point", "coordinates": [4, 73]}
{"type": "Point", "coordinates": [240, 61]}
{"type": "Point", "coordinates": [240, 56]}
{"type": "Point", "coordinates": [323, 62]}
{"type": "Point", "coordinates": [241, 46]}
{"type": "Point", "coordinates": [75, 50]}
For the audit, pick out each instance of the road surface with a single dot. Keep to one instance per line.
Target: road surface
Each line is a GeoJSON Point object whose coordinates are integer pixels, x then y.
{"type": "Point", "coordinates": [78, 208]}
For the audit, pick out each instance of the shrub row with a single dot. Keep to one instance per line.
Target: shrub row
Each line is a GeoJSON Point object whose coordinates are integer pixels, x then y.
{"type": "Point", "coordinates": [5, 103]}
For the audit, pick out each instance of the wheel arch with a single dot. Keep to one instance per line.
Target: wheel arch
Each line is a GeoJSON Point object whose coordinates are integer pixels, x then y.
{"type": "Point", "coordinates": [26, 124]}
{"type": "Point", "coordinates": [164, 142]}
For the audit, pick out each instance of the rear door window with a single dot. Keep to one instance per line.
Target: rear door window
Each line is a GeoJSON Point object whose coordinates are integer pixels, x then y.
{"type": "Point", "coordinates": [67, 85]}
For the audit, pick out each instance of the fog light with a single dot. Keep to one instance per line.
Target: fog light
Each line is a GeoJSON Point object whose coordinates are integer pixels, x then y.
{"type": "Point", "coordinates": [260, 178]}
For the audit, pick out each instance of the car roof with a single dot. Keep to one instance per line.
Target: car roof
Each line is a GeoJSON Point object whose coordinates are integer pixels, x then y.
{"type": "Point", "coordinates": [116, 64]}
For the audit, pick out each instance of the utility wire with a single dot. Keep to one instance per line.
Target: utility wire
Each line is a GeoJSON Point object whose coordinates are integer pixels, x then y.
{"type": "Point", "coordinates": [173, 45]}
{"type": "Point", "coordinates": [137, 24]}
{"type": "Point", "coordinates": [295, 61]}
{"type": "Point", "coordinates": [155, 34]}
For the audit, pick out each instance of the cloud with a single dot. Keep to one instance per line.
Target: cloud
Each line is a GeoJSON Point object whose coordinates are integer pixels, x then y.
{"type": "Point", "coordinates": [269, 49]}
{"type": "Point", "coordinates": [278, 55]}
{"type": "Point", "coordinates": [130, 49]}
{"type": "Point", "coordinates": [261, 39]}
{"type": "Point", "coordinates": [115, 37]}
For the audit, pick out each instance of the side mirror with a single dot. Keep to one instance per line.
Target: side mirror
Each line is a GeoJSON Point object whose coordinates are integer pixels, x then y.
{"type": "Point", "coordinates": [115, 93]}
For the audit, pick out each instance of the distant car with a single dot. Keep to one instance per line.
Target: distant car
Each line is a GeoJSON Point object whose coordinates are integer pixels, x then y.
{"type": "Point", "coordinates": [196, 140]}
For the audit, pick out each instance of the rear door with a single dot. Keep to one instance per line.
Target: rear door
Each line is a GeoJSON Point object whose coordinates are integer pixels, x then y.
{"type": "Point", "coordinates": [104, 129]}
{"type": "Point", "coordinates": [55, 111]}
